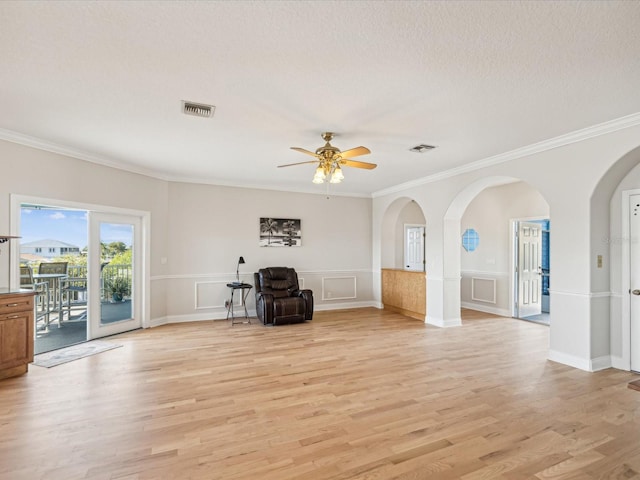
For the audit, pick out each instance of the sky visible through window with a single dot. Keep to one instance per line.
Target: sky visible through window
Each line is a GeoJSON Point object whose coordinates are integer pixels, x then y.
{"type": "Point", "coordinates": [69, 226]}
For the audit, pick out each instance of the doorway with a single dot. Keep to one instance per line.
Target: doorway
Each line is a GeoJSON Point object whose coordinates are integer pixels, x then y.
{"type": "Point", "coordinates": [102, 290]}
{"type": "Point", "coordinates": [531, 272]}
{"type": "Point", "coordinates": [414, 247]}
{"type": "Point", "coordinates": [634, 281]}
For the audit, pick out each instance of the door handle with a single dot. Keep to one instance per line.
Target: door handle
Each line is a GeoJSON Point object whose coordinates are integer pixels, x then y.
{"type": "Point", "coordinates": [635, 292]}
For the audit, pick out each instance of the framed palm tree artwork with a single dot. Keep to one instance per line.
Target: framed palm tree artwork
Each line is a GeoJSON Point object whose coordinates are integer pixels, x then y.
{"type": "Point", "coordinates": [280, 232]}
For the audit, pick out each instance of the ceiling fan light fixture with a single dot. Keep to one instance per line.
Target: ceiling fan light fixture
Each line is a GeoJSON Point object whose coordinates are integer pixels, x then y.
{"type": "Point", "coordinates": [337, 176]}
{"type": "Point", "coordinates": [329, 158]}
{"type": "Point", "coordinates": [319, 176]}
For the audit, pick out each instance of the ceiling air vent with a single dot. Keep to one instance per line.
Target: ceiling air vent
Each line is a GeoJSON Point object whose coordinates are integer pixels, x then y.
{"type": "Point", "coordinates": [422, 148]}
{"type": "Point", "coordinates": [197, 109]}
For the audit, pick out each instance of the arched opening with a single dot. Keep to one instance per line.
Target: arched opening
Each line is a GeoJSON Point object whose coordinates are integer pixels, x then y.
{"type": "Point", "coordinates": [504, 263]}
{"type": "Point", "coordinates": [403, 284]}
{"type": "Point", "coordinates": [498, 257]}
{"type": "Point", "coordinates": [615, 269]}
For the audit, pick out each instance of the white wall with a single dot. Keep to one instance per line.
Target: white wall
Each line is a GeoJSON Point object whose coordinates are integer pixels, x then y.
{"type": "Point", "coordinates": [566, 171]}
{"type": "Point", "coordinates": [490, 214]}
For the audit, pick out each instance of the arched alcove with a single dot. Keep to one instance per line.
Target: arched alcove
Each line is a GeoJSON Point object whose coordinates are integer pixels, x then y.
{"type": "Point", "coordinates": [403, 289]}
{"type": "Point", "coordinates": [400, 211]}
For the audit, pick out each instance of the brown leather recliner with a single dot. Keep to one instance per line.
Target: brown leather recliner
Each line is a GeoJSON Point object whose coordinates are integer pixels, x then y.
{"type": "Point", "coordinates": [279, 299]}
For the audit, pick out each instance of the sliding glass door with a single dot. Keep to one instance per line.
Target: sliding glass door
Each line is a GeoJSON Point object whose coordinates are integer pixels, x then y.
{"type": "Point", "coordinates": [99, 286]}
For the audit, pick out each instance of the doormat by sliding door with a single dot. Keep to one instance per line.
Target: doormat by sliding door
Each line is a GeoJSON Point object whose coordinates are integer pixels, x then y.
{"type": "Point", "coordinates": [74, 352]}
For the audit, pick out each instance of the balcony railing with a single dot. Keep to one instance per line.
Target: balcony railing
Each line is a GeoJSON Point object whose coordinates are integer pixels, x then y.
{"type": "Point", "coordinates": [110, 272]}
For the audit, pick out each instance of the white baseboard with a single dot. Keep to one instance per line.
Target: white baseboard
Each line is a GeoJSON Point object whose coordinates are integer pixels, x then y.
{"type": "Point", "coordinates": [601, 363]}
{"type": "Point", "coordinates": [345, 305]}
{"type": "Point", "coordinates": [156, 322]}
{"type": "Point", "coordinates": [438, 322]}
{"type": "Point", "coordinates": [592, 365]}
{"type": "Point", "coordinates": [222, 315]}
{"type": "Point", "coordinates": [502, 312]}
{"type": "Point", "coordinates": [620, 363]}
{"type": "Point", "coordinates": [570, 360]}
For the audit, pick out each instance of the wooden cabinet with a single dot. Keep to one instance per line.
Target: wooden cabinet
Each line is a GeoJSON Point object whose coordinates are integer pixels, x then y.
{"type": "Point", "coordinates": [405, 292]}
{"type": "Point", "coordinates": [16, 332]}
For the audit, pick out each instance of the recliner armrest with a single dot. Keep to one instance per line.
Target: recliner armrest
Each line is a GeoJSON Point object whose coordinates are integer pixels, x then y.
{"type": "Point", "coordinates": [307, 295]}
{"type": "Point", "coordinates": [264, 307]}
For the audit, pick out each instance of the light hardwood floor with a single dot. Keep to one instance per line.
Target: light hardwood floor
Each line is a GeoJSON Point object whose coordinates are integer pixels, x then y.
{"type": "Point", "coordinates": [354, 394]}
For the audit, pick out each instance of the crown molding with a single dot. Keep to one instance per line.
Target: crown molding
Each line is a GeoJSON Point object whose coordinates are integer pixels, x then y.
{"type": "Point", "coordinates": [275, 187]}
{"type": "Point", "coordinates": [33, 142]}
{"type": "Point", "coordinates": [52, 147]}
{"type": "Point", "coordinates": [560, 141]}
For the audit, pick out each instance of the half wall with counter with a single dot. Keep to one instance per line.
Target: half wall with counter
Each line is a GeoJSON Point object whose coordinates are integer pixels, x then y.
{"type": "Point", "coordinates": [405, 292]}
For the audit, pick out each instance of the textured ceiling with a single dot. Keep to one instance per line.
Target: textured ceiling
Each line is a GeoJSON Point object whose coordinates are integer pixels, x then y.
{"type": "Point", "coordinates": [105, 80]}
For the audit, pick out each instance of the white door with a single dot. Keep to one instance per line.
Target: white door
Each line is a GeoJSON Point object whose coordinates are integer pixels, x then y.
{"type": "Point", "coordinates": [114, 265]}
{"type": "Point", "coordinates": [634, 281]}
{"type": "Point", "coordinates": [529, 269]}
{"type": "Point", "coordinates": [414, 247]}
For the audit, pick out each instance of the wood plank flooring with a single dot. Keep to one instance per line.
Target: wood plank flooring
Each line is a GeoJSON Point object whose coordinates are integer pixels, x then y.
{"type": "Point", "coordinates": [355, 394]}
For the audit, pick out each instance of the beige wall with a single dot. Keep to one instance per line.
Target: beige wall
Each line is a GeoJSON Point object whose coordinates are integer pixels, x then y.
{"type": "Point", "coordinates": [37, 173]}
{"type": "Point", "coordinates": [199, 231]}
{"type": "Point", "coordinates": [211, 226]}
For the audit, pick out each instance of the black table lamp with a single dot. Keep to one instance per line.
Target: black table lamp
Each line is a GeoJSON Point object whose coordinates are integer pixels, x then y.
{"type": "Point", "coordinates": [240, 260]}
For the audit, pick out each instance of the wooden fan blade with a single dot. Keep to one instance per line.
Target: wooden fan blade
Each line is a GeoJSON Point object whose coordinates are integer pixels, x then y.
{"type": "Point", "coordinates": [357, 164]}
{"type": "Point", "coordinates": [302, 150]}
{"type": "Point", "coordinates": [299, 163]}
{"type": "Point", "coordinates": [354, 152]}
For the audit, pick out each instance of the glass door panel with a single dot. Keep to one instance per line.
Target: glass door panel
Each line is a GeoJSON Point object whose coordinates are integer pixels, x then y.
{"type": "Point", "coordinates": [53, 263]}
{"type": "Point", "coordinates": [115, 273]}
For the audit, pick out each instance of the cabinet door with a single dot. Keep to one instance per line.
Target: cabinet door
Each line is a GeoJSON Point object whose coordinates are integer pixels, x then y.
{"type": "Point", "coordinates": [14, 339]}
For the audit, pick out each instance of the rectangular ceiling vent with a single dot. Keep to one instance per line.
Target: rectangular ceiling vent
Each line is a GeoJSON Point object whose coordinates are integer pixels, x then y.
{"type": "Point", "coordinates": [197, 109]}
{"type": "Point", "coordinates": [422, 148]}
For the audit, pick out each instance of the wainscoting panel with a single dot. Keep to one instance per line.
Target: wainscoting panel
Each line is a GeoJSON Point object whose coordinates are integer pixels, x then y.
{"type": "Point", "coordinates": [211, 294]}
{"type": "Point", "coordinates": [339, 288]}
{"type": "Point", "coordinates": [202, 296]}
{"type": "Point", "coordinates": [483, 289]}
